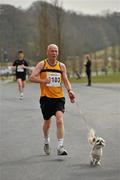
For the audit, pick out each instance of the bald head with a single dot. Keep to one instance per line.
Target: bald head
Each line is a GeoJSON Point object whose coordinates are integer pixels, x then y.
{"type": "Point", "coordinates": [51, 46]}
{"type": "Point", "coordinates": [52, 51]}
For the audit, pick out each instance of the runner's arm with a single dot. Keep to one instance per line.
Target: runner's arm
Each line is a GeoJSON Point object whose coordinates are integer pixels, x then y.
{"type": "Point", "coordinates": [13, 67]}
{"type": "Point", "coordinates": [67, 83]}
{"type": "Point", "coordinates": [28, 67]}
{"type": "Point", "coordinates": [35, 76]}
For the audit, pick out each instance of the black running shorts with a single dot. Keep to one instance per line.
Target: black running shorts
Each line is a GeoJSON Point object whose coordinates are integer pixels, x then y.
{"type": "Point", "coordinates": [49, 106]}
{"type": "Point", "coordinates": [22, 76]}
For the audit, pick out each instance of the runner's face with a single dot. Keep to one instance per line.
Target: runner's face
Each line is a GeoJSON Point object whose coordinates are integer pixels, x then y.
{"type": "Point", "coordinates": [52, 53]}
{"type": "Point", "coordinates": [21, 56]}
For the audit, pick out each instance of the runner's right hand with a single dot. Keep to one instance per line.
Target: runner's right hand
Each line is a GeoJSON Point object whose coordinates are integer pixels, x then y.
{"type": "Point", "coordinates": [47, 81]}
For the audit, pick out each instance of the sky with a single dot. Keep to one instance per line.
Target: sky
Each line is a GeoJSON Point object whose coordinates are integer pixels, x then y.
{"type": "Point", "coordinates": [84, 6]}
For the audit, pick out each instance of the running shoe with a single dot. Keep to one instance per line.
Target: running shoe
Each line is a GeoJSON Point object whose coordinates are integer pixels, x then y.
{"type": "Point", "coordinates": [47, 149]}
{"type": "Point", "coordinates": [21, 96]}
{"type": "Point", "coordinates": [61, 151]}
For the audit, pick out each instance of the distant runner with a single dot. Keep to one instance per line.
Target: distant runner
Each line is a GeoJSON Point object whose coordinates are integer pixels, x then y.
{"type": "Point", "coordinates": [20, 65]}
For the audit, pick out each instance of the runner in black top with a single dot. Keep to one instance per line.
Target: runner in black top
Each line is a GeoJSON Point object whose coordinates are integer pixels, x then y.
{"type": "Point", "coordinates": [20, 67]}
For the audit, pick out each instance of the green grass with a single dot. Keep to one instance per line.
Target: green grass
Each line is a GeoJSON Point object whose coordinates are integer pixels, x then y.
{"type": "Point", "coordinates": [110, 78]}
{"type": "Point", "coordinates": [7, 78]}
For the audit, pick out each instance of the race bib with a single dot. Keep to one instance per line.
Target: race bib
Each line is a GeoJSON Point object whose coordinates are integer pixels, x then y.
{"type": "Point", "coordinates": [55, 79]}
{"type": "Point", "coordinates": [20, 69]}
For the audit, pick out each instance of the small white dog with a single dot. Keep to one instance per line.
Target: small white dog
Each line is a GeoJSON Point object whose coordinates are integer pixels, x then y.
{"type": "Point", "coordinates": [98, 144]}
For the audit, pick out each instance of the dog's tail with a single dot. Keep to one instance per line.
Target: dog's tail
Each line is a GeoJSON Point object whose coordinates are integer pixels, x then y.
{"type": "Point", "coordinates": [91, 136]}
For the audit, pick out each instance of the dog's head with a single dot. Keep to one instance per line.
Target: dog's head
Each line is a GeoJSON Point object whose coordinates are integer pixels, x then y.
{"type": "Point", "coordinates": [99, 142]}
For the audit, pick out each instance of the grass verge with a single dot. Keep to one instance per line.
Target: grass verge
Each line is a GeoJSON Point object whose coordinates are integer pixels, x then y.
{"type": "Point", "coordinates": [110, 78]}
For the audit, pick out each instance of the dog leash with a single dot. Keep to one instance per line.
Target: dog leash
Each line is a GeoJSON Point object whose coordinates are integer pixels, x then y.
{"type": "Point", "coordinates": [82, 115]}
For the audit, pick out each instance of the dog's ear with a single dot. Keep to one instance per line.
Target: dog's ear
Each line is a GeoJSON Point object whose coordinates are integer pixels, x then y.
{"type": "Point", "coordinates": [104, 142]}
{"type": "Point", "coordinates": [94, 139]}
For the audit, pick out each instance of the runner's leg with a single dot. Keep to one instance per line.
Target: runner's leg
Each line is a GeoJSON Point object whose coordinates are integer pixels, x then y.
{"type": "Point", "coordinates": [23, 85]}
{"type": "Point", "coordinates": [20, 85]}
{"type": "Point", "coordinates": [60, 133]}
{"type": "Point", "coordinates": [60, 124]}
{"type": "Point", "coordinates": [46, 127]}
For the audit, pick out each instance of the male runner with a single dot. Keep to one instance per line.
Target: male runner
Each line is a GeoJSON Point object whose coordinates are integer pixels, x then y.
{"type": "Point", "coordinates": [50, 73]}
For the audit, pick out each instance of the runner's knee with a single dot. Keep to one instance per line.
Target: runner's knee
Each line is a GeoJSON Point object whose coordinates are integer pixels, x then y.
{"type": "Point", "coordinates": [59, 122]}
{"type": "Point", "coordinates": [47, 124]}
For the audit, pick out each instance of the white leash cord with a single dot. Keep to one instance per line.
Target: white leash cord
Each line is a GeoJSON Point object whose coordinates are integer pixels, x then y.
{"type": "Point", "coordinates": [82, 115]}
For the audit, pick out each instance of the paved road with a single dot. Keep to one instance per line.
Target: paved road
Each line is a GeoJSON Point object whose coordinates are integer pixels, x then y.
{"type": "Point", "coordinates": [22, 156]}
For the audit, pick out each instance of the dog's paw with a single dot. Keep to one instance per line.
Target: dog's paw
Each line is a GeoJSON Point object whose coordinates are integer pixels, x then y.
{"type": "Point", "coordinates": [98, 163]}
{"type": "Point", "coordinates": [91, 163]}
{"type": "Point", "coordinates": [95, 163]}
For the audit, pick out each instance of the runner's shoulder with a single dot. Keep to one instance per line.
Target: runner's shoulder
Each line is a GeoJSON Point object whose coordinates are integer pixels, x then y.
{"type": "Point", "coordinates": [16, 62]}
{"type": "Point", "coordinates": [62, 66]}
{"type": "Point", "coordinates": [25, 60]}
{"type": "Point", "coordinates": [41, 64]}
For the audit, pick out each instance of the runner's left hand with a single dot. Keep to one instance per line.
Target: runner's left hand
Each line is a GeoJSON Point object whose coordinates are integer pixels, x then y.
{"type": "Point", "coordinates": [71, 96]}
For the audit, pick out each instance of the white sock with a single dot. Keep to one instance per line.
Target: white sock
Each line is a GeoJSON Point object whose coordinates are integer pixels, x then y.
{"type": "Point", "coordinates": [46, 140]}
{"type": "Point", "coordinates": [60, 142]}
{"type": "Point", "coordinates": [21, 92]}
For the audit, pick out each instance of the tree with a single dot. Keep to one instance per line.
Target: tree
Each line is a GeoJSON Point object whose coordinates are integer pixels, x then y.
{"type": "Point", "coordinates": [43, 26]}
{"type": "Point", "coordinates": [58, 15]}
